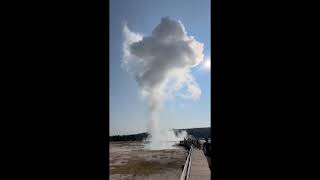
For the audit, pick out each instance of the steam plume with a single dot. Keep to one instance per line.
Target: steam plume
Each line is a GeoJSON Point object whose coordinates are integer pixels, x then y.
{"type": "Point", "coordinates": [161, 64]}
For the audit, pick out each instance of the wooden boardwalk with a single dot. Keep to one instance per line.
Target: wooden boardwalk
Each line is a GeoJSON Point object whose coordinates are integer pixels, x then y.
{"type": "Point", "coordinates": [199, 166]}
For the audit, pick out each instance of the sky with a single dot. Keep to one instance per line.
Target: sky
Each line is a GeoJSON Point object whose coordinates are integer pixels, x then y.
{"type": "Point", "coordinates": [128, 110]}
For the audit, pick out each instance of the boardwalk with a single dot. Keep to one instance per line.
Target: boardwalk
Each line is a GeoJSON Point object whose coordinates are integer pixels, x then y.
{"type": "Point", "coordinates": [199, 166]}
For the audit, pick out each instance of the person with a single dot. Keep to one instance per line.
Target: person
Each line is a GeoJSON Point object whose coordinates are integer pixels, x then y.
{"type": "Point", "coordinates": [206, 149]}
{"type": "Point", "coordinates": [194, 142]}
{"type": "Point", "coordinates": [197, 143]}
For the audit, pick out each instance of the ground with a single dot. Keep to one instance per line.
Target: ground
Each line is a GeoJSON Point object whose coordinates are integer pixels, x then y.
{"type": "Point", "coordinates": [129, 160]}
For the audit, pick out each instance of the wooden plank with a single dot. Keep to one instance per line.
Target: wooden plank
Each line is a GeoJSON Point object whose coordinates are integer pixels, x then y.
{"type": "Point", "coordinates": [199, 166]}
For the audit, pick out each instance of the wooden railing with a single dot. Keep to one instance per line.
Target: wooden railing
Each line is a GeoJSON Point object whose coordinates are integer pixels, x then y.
{"type": "Point", "coordinates": [187, 166]}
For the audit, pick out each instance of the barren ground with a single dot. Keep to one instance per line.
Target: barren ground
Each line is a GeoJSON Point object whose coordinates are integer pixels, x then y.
{"type": "Point", "coordinates": [128, 160]}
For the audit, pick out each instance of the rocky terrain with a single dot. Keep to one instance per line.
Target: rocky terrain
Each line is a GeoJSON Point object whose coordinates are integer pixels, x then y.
{"type": "Point", "coordinates": [129, 160]}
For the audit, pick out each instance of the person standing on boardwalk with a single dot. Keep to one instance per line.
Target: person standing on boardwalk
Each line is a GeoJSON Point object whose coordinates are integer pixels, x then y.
{"type": "Point", "coordinates": [207, 151]}
{"type": "Point", "coordinates": [198, 144]}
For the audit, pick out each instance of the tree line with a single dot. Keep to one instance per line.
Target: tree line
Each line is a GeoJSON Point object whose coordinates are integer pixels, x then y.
{"type": "Point", "coordinates": [134, 137]}
{"type": "Point", "coordinates": [195, 132]}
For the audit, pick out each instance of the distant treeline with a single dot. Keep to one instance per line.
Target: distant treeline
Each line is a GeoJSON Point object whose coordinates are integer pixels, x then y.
{"type": "Point", "coordinates": [195, 132]}
{"type": "Point", "coordinates": [133, 137]}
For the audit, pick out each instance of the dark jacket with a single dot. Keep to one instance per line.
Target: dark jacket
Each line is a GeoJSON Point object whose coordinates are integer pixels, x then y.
{"type": "Point", "coordinates": [207, 149]}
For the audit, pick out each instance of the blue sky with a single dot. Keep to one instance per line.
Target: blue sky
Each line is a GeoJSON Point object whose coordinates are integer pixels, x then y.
{"type": "Point", "coordinates": [128, 112]}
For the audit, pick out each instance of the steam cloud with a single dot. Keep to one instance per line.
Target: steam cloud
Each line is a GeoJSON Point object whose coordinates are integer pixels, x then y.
{"type": "Point", "coordinates": [161, 64]}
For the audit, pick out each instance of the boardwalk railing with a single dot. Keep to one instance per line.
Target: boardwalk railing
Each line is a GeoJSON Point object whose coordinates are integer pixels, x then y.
{"type": "Point", "coordinates": [187, 166]}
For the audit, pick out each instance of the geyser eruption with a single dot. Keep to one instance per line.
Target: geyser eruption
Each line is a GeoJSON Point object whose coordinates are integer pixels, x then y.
{"type": "Point", "coordinates": [161, 64]}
